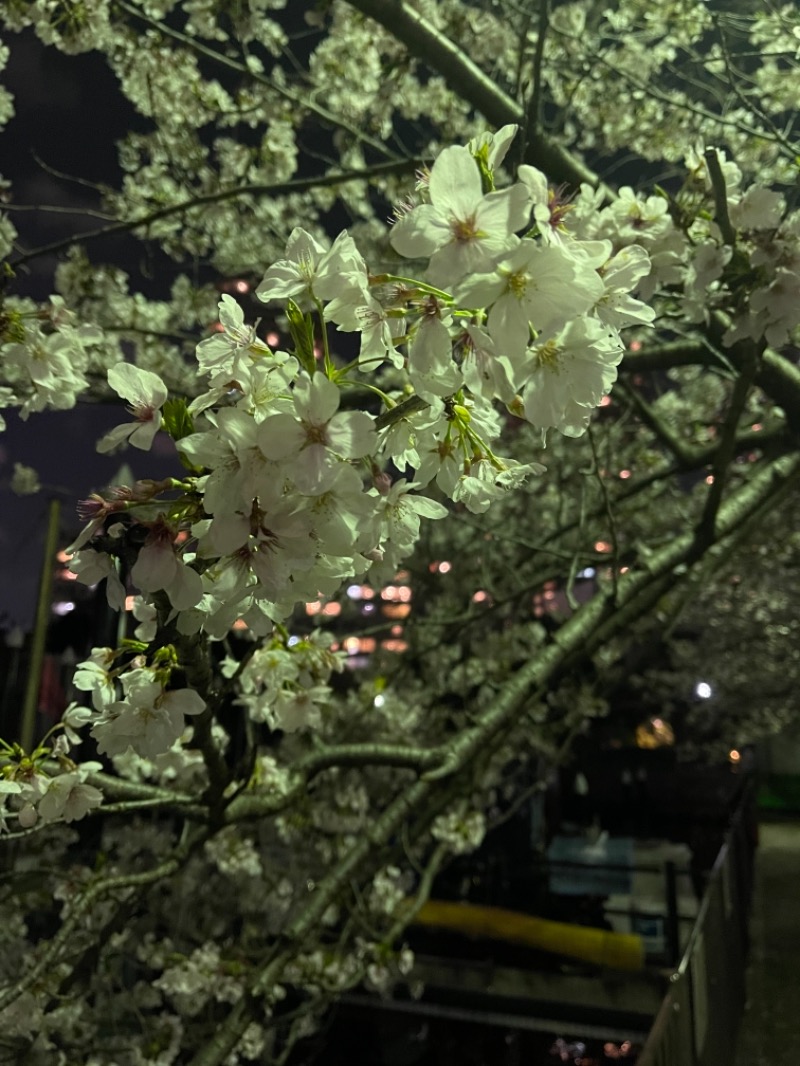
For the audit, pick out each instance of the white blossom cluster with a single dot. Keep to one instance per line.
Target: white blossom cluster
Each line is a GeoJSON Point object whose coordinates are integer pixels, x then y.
{"type": "Point", "coordinates": [752, 273]}
{"type": "Point", "coordinates": [657, 76]}
{"type": "Point", "coordinates": [149, 718]}
{"type": "Point", "coordinates": [45, 355]}
{"type": "Point", "coordinates": [204, 975]}
{"type": "Point", "coordinates": [285, 684]}
{"type": "Point", "coordinates": [460, 832]}
{"type": "Point", "coordinates": [388, 890]}
{"type": "Point", "coordinates": [289, 492]}
{"type": "Point", "coordinates": [34, 796]}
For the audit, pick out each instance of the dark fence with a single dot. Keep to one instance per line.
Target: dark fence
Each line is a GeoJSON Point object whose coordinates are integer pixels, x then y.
{"type": "Point", "coordinates": [698, 1022]}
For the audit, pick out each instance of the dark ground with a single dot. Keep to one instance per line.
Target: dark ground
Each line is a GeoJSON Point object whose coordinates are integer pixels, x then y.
{"type": "Point", "coordinates": [770, 1033]}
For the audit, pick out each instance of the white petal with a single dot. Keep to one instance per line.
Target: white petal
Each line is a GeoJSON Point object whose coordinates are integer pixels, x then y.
{"type": "Point", "coordinates": [455, 182]}
{"type": "Point", "coordinates": [280, 435]}
{"type": "Point", "coordinates": [155, 567]}
{"type": "Point", "coordinates": [186, 588]}
{"type": "Point", "coordinates": [351, 434]}
{"type": "Point", "coordinates": [185, 700]}
{"type": "Point", "coordinates": [137, 385]}
{"type": "Point", "coordinates": [316, 401]}
{"type": "Point", "coordinates": [419, 233]}
{"type": "Point", "coordinates": [115, 438]}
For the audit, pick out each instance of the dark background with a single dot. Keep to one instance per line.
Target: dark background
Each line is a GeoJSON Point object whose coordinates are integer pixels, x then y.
{"type": "Point", "coordinates": [55, 150]}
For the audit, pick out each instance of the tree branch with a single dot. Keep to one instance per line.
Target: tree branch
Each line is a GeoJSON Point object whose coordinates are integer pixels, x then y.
{"type": "Point", "coordinates": [48, 957]}
{"type": "Point", "coordinates": [686, 457]}
{"type": "Point", "coordinates": [724, 453]}
{"type": "Point", "coordinates": [533, 110]}
{"type": "Point", "coordinates": [723, 219]}
{"type": "Point", "coordinates": [298, 99]}
{"type": "Point", "coordinates": [470, 83]}
{"type": "Point", "coordinates": [283, 188]}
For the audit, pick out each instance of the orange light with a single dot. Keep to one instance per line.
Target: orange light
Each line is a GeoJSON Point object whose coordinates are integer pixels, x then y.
{"type": "Point", "coordinates": [354, 645]}
{"type": "Point", "coordinates": [396, 610]}
{"type": "Point", "coordinates": [394, 645]}
{"type": "Point", "coordinates": [734, 755]}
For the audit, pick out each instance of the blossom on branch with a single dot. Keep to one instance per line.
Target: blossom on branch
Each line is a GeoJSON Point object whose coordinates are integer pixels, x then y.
{"type": "Point", "coordinates": [573, 370]}
{"type": "Point", "coordinates": [146, 393]}
{"type": "Point", "coordinates": [539, 287]}
{"type": "Point", "coordinates": [317, 436]}
{"type": "Point", "coordinates": [462, 230]}
{"type": "Point", "coordinates": [148, 719]}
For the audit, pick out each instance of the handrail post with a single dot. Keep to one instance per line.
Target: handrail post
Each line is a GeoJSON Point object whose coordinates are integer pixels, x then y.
{"type": "Point", "coordinates": [41, 622]}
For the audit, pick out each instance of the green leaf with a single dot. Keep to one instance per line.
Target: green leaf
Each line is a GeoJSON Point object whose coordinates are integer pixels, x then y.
{"type": "Point", "coordinates": [481, 157]}
{"type": "Point", "coordinates": [131, 645]}
{"type": "Point", "coordinates": [177, 420]}
{"type": "Point", "coordinates": [301, 328]}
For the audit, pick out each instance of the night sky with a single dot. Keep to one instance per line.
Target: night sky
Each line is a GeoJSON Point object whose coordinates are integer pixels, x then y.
{"type": "Point", "coordinates": [68, 116]}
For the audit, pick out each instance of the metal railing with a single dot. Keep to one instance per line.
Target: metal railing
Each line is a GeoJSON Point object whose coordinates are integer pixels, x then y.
{"type": "Point", "coordinates": [699, 1018]}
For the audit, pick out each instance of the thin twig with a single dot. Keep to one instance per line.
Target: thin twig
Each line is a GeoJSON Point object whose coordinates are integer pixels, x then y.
{"type": "Point", "coordinates": [723, 219]}
{"type": "Point", "coordinates": [284, 188]}
{"type": "Point", "coordinates": [534, 109]}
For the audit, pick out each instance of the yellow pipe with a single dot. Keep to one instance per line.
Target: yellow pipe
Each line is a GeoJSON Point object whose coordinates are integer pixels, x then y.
{"type": "Point", "coordinates": [620, 951]}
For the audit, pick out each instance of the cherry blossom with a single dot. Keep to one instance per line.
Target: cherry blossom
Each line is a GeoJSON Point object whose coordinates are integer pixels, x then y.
{"type": "Point", "coordinates": [146, 393]}
{"type": "Point", "coordinates": [317, 436]}
{"type": "Point", "coordinates": [230, 355]}
{"type": "Point", "coordinates": [311, 272]}
{"type": "Point", "coordinates": [573, 370]}
{"type": "Point", "coordinates": [69, 797]}
{"type": "Point", "coordinates": [159, 566]}
{"type": "Point", "coordinates": [534, 287]}
{"type": "Point", "coordinates": [149, 720]}
{"type": "Point", "coordinates": [461, 230]}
